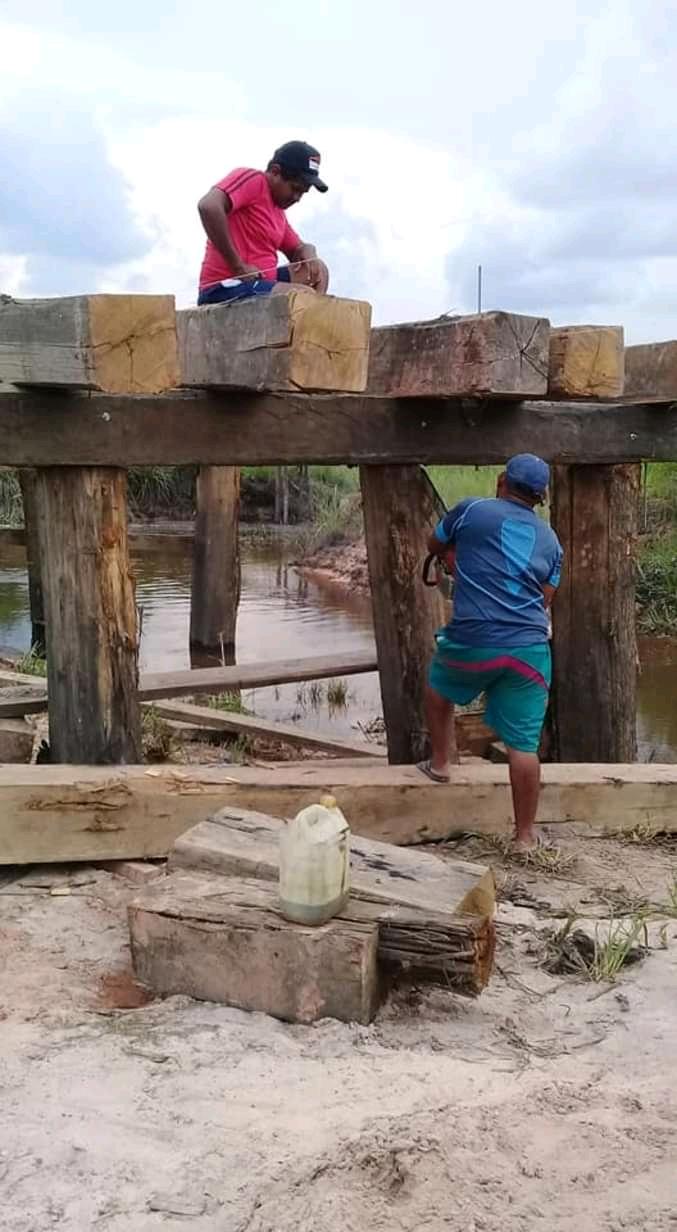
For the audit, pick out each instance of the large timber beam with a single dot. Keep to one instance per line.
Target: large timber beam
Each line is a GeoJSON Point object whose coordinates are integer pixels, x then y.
{"type": "Point", "coordinates": [118, 343]}
{"type": "Point", "coordinates": [62, 813]}
{"type": "Point", "coordinates": [244, 429]}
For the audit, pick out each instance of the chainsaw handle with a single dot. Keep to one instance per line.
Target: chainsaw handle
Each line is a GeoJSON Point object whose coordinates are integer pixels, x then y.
{"type": "Point", "coordinates": [429, 561]}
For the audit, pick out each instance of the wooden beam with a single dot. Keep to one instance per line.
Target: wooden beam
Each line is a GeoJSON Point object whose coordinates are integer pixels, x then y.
{"type": "Point", "coordinates": [651, 372]}
{"type": "Point", "coordinates": [223, 940]}
{"type": "Point", "coordinates": [116, 343]}
{"type": "Point", "coordinates": [53, 814]}
{"type": "Point", "coordinates": [155, 685]}
{"type": "Point", "coordinates": [91, 615]}
{"type": "Point", "coordinates": [250, 725]}
{"type": "Point", "coordinates": [281, 429]}
{"type": "Point", "coordinates": [586, 361]}
{"type": "Point", "coordinates": [280, 342]}
{"type": "Point", "coordinates": [493, 353]}
{"type": "Point", "coordinates": [238, 843]}
{"type": "Point", "coordinates": [216, 577]}
{"type": "Point", "coordinates": [594, 700]}
{"type": "Point", "coordinates": [400, 509]}
{"type": "Point", "coordinates": [174, 924]}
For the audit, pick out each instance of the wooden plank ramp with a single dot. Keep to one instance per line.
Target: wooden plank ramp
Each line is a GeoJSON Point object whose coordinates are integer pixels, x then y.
{"type": "Point", "coordinates": [156, 685]}
{"type": "Point", "coordinates": [66, 813]}
{"type": "Point", "coordinates": [250, 725]}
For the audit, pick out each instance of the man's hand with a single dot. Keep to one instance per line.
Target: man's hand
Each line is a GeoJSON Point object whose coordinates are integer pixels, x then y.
{"type": "Point", "coordinates": [308, 269]}
{"type": "Point", "coordinates": [248, 273]}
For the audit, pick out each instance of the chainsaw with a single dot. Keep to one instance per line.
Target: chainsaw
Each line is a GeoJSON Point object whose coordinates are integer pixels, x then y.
{"type": "Point", "coordinates": [436, 573]}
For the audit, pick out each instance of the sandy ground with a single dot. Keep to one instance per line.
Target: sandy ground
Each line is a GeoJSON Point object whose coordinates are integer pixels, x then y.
{"type": "Point", "coordinates": [549, 1103]}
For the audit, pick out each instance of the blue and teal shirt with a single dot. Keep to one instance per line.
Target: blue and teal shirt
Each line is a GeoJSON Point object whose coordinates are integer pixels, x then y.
{"type": "Point", "coordinates": [505, 554]}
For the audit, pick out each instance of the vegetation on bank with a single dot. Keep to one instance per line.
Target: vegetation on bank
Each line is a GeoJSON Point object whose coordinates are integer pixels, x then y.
{"type": "Point", "coordinates": [326, 500]}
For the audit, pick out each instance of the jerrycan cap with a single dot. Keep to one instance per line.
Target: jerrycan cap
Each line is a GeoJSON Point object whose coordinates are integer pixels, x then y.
{"type": "Point", "coordinates": [328, 802]}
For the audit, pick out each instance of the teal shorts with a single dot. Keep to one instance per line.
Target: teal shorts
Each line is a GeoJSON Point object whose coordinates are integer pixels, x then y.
{"type": "Point", "coordinates": [516, 682]}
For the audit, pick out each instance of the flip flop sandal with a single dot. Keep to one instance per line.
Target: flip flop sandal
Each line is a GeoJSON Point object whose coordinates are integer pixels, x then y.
{"type": "Point", "coordinates": [426, 768]}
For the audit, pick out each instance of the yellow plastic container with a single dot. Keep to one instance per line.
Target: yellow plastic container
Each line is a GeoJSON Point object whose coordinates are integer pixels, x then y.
{"type": "Point", "coordinates": [315, 864]}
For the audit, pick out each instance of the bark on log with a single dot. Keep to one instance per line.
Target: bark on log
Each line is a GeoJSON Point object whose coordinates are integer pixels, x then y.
{"type": "Point", "coordinates": [92, 673]}
{"type": "Point", "coordinates": [594, 699]}
{"type": "Point", "coordinates": [400, 509]}
{"type": "Point", "coordinates": [216, 577]}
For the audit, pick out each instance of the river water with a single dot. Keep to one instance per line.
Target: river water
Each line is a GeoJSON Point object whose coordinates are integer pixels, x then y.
{"type": "Point", "coordinates": [284, 614]}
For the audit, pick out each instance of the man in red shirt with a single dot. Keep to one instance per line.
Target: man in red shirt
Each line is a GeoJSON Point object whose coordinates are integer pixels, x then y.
{"type": "Point", "coordinates": [246, 225]}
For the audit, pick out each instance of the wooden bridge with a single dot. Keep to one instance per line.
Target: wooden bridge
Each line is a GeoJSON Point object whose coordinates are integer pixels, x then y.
{"type": "Point", "coordinates": [95, 384]}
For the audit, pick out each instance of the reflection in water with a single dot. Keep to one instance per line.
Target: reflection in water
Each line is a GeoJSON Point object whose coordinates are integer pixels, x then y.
{"type": "Point", "coordinates": [284, 614]}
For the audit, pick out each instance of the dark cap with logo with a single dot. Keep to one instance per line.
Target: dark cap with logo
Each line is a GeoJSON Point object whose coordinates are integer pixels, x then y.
{"type": "Point", "coordinates": [300, 161]}
{"type": "Point", "coordinates": [529, 472]}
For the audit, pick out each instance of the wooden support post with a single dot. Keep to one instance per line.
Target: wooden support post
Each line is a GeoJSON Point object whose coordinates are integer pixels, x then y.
{"type": "Point", "coordinates": [400, 509]}
{"type": "Point", "coordinates": [594, 702]}
{"type": "Point", "coordinates": [91, 615]}
{"type": "Point", "coordinates": [215, 593]}
{"type": "Point", "coordinates": [27, 479]}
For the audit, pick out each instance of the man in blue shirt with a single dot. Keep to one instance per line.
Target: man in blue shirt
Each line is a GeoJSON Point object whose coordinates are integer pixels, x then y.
{"type": "Point", "coordinates": [506, 563]}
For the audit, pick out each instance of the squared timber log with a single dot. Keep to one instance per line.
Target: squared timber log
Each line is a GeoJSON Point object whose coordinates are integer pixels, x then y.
{"type": "Point", "coordinates": [297, 341]}
{"type": "Point", "coordinates": [225, 940]}
{"type": "Point", "coordinates": [586, 361]}
{"type": "Point", "coordinates": [58, 814]}
{"type": "Point", "coordinates": [119, 344]}
{"type": "Point", "coordinates": [651, 372]}
{"type": "Point", "coordinates": [245, 843]}
{"type": "Point", "coordinates": [497, 353]}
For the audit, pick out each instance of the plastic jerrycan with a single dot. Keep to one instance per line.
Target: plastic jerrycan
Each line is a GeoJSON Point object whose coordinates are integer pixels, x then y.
{"type": "Point", "coordinates": [315, 863]}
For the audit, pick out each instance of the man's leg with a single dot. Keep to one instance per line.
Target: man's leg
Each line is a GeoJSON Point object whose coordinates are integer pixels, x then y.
{"type": "Point", "coordinates": [525, 782]}
{"type": "Point", "coordinates": [440, 717]}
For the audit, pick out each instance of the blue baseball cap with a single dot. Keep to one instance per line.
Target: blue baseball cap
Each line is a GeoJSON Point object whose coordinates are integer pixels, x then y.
{"type": "Point", "coordinates": [528, 471]}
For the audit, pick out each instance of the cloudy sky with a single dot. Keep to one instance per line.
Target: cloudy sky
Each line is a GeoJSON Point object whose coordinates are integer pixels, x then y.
{"type": "Point", "coordinates": [536, 138]}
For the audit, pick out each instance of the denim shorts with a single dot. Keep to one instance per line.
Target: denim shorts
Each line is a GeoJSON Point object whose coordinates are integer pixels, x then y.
{"type": "Point", "coordinates": [236, 288]}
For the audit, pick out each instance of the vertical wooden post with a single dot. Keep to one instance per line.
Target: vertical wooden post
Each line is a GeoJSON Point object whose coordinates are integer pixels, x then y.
{"type": "Point", "coordinates": [27, 480]}
{"type": "Point", "coordinates": [92, 647]}
{"type": "Point", "coordinates": [594, 701]}
{"type": "Point", "coordinates": [400, 509]}
{"type": "Point", "coordinates": [215, 593]}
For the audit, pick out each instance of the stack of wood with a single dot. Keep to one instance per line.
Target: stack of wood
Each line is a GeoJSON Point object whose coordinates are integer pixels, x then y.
{"type": "Point", "coordinates": [213, 928]}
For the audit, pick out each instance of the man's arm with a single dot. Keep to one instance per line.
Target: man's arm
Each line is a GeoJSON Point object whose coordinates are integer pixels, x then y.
{"type": "Point", "coordinates": [213, 209]}
{"type": "Point", "coordinates": [549, 593]}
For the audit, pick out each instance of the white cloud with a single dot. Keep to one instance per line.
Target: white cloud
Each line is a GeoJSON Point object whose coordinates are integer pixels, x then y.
{"type": "Point", "coordinates": [537, 140]}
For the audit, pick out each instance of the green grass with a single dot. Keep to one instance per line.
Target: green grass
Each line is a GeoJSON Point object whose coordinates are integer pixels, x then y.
{"type": "Point", "coordinates": [455, 482]}
{"type": "Point", "coordinates": [230, 702]}
{"type": "Point", "coordinates": [337, 694]}
{"type": "Point", "coordinates": [157, 736]}
{"type": "Point", "coordinates": [11, 508]}
{"type": "Point", "coordinates": [657, 585]}
{"type": "Point", "coordinates": [31, 664]}
{"type": "Point", "coordinates": [614, 950]}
